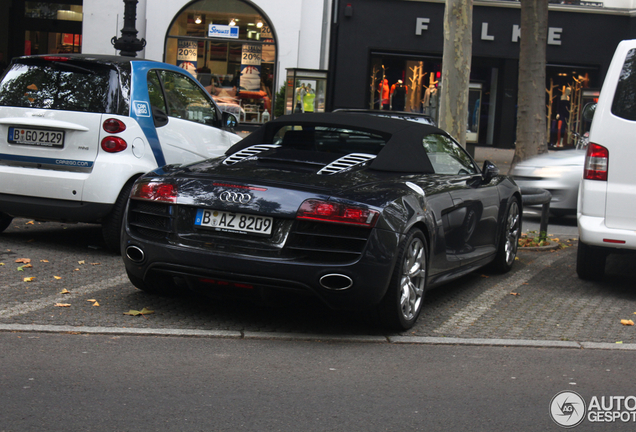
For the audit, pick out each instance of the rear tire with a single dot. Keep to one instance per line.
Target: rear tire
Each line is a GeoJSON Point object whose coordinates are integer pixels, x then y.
{"type": "Point", "coordinates": [111, 225]}
{"type": "Point", "coordinates": [5, 221]}
{"type": "Point", "coordinates": [509, 241]}
{"type": "Point", "coordinates": [590, 262]}
{"type": "Point", "coordinates": [402, 303]}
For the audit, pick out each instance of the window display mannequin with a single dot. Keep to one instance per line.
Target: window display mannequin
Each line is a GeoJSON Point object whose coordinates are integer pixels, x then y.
{"type": "Point", "coordinates": [398, 96]}
{"type": "Point", "coordinates": [384, 90]}
{"type": "Point", "coordinates": [300, 94]}
{"type": "Point", "coordinates": [308, 99]}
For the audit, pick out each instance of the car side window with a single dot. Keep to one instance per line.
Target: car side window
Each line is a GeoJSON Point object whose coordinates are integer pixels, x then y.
{"type": "Point", "coordinates": [186, 100]}
{"type": "Point", "coordinates": [447, 156]}
{"type": "Point", "coordinates": [624, 103]}
{"type": "Point", "coordinates": [154, 91]}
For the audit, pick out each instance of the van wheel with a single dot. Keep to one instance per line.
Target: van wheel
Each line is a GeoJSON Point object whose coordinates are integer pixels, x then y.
{"type": "Point", "coordinates": [111, 225]}
{"type": "Point", "coordinates": [590, 262]}
{"type": "Point", "coordinates": [5, 221]}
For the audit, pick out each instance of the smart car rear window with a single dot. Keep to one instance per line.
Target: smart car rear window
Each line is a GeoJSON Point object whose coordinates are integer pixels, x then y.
{"type": "Point", "coordinates": [624, 103]}
{"type": "Point", "coordinates": [65, 85]}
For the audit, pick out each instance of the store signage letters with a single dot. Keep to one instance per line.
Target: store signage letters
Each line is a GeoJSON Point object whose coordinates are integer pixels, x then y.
{"type": "Point", "coordinates": [554, 33]}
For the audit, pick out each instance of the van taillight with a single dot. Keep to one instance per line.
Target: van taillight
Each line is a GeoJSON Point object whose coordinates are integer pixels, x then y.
{"type": "Point", "coordinates": [596, 163]}
{"type": "Point", "coordinates": [113, 144]}
{"type": "Point", "coordinates": [112, 125]}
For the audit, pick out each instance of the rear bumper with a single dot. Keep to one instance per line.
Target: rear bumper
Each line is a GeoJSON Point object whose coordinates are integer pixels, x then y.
{"type": "Point", "coordinates": [593, 232]}
{"type": "Point", "coordinates": [369, 275]}
{"type": "Point", "coordinates": [53, 209]}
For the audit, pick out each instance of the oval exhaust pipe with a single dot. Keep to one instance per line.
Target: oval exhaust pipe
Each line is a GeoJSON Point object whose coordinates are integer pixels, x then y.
{"type": "Point", "coordinates": [135, 254]}
{"type": "Point", "coordinates": [336, 282]}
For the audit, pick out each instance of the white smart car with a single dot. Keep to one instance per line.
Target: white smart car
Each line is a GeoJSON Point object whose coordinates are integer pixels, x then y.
{"type": "Point", "coordinates": [607, 195]}
{"type": "Point", "coordinates": [77, 130]}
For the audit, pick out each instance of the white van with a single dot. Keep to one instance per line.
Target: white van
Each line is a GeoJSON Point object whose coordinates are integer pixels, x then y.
{"type": "Point", "coordinates": [606, 212]}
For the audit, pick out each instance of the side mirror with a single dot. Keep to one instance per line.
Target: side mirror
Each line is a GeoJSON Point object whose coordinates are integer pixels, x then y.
{"type": "Point", "coordinates": [229, 121]}
{"type": "Point", "coordinates": [489, 171]}
{"type": "Point", "coordinates": [588, 111]}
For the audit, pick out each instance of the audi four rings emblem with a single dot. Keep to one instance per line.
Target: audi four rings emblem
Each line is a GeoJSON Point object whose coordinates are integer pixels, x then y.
{"type": "Point", "coordinates": [235, 197]}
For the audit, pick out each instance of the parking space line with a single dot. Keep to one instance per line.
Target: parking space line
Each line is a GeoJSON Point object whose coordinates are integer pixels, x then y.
{"type": "Point", "coordinates": [463, 319]}
{"type": "Point", "coordinates": [44, 302]}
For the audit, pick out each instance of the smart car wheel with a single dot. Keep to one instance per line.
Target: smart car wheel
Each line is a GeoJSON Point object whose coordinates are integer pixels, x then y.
{"type": "Point", "coordinates": [5, 221]}
{"type": "Point", "coordinates": [590, 262]}
{"type": "Point", "coordinates": [402, 302]}
{"type": "Point", "coordinates": [111, 226]}
{"type": "Point", "coordinates": [509, 241]}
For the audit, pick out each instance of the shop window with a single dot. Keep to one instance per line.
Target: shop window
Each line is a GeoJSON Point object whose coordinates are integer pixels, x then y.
{"type": "Point", "coordinates": [568, 90]}
{"type": "Point", "coordinates": [229, 47]}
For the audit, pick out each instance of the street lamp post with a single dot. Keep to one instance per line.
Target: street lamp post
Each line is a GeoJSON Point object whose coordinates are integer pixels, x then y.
{"type": "Point", "coordinates": [128, 44]}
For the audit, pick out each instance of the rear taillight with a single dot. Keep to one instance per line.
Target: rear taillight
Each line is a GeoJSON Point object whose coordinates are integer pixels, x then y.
{"type": "Point", "coordinates": [113, 144]}
{"type": "Point", "coordinates": [596, 163]}
{"type": "Point", "coordinates": [55, 58]}
{"type": "Point", "coordinates": [154, 191]}
{"type": "Point", "coordinates": [326, 211]}
{"type": "Point", "coordinates": [112, 125]}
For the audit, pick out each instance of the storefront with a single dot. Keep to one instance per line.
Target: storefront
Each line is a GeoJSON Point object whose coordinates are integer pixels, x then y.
{"type": "Point", "coordinates": [239, 49]}
{"type": "Point", "coordinates": [370, 65]}
{"type": "Point", "coordinates": [42, 27]}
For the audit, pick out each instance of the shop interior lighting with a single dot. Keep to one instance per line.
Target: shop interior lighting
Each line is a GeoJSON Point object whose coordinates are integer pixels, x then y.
{"type": "Point", "coordinates": [259, 24]}
{"type": "Point", "coordinates": [197, 20]}
{"type": "Point", "coordinates": [233, 22]}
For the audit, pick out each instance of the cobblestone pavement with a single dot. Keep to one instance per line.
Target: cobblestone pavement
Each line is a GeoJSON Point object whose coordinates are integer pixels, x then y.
{"type": "Point", "coordinates": [540, 299]}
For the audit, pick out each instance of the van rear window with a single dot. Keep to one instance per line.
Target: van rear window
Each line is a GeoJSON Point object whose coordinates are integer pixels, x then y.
{"type": "Point", "coordinates": [624, 103]}
{"type": "Point", "coordinates": [67, 86]}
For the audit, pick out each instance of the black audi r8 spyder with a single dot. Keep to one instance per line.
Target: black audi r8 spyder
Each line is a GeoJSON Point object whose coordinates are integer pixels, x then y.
{"type": "Point", "coordinates": [361, 211]}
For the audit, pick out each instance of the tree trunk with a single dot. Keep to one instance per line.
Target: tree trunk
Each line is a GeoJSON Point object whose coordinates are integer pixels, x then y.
{"type": "Point", "coordinates": [458, 27]}
{"type": "Point", "coordinates": [531, 120]}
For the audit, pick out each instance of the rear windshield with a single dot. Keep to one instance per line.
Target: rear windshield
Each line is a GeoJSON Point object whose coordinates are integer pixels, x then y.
{"type": "Point", "coordinates": [624, 104]}
{"type": "Point", "coordinates": [64, 85]}
{"type": "Point", "coordinates": [329, 139]}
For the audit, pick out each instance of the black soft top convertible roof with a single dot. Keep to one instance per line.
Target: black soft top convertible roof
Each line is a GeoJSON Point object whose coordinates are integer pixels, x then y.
{"type": "Point", "coordinates": [403, 151]}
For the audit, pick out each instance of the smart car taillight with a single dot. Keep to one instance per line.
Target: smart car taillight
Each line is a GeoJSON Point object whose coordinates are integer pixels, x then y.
{"type": "Point", "coordinates": [326, 211]}
{"type": "Point", "coordinates": [113, 144]}
{"type": "Point", "coordinates": [596, 163]}
{"type": "Point", "coordinates": [113, 126]}
{"type": "Point", "coordinates": [154, 191]}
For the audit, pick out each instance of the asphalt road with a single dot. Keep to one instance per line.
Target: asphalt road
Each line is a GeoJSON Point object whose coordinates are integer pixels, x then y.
{"type": "Point", "coordinates": [65, 382]}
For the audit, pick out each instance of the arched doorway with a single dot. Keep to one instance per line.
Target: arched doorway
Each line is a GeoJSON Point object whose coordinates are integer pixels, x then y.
{"type": "Point", "coordinates": [230, 47]}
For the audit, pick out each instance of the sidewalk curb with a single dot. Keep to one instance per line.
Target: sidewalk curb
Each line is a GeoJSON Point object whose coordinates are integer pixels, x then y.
{"type": "Point", "coordinates": [297, 337]}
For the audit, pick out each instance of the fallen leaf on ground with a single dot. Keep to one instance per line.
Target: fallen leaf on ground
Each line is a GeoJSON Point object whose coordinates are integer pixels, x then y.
{"type": "Point", "coordinates": [23, 260]}
{"type": "Point", "coordinates": [95, 263]}
{"type": "Point", "coordinates": [144, 311]}
{"type": "Point", "coordinates": [64, 291]}
{"type": "Point", "coordinates": [91, 300]}
{"type": "Point", "coordinates": [30, 223]}
{"type": "Point", "coordinates": [514, 294]}
{"type": "Point", "coordinates": [3, 264]}
{"type": "Point", "coordinates": [81, 262]}
{"type": "Point", "coordinates": [62, 305]}
{"type": "Point", "coordinates": [57, 277]}
{"type": "Point", "coordinates": [96, 304]}
{"type": "Point", "coordinates": [627, 322]}
{"type": "Point", "coordinates": [76, 269]}
{"type": "Point", "coordinates": [44, 260]}
{"type": "Point", "coordinates": [29, 279]}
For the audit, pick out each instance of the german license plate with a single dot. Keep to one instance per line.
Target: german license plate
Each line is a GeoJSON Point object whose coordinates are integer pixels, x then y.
{"type": "Point", "coordinates": [37, 137]}
{"type": "Point", "coordinates": [234, 222]}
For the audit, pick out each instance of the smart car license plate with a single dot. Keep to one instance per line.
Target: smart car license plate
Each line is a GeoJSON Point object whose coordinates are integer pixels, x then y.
{"type": "Point", "coordinates": [234, 222]}
{"type": "Point", "coordinates": [37, 137]}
